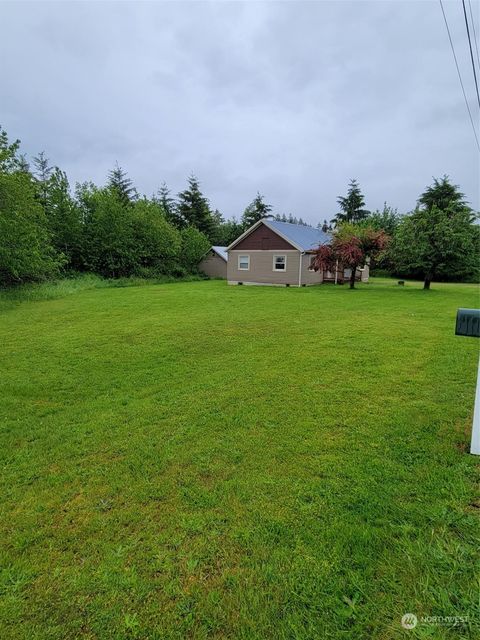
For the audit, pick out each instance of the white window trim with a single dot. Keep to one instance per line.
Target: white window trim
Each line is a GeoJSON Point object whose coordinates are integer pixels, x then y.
{"type": "Point", "coordinates": [240, 260]}
{"type": "Point", "coordinates": [279, 255]}
{"type": "Point", "coordinates": [310, 268]}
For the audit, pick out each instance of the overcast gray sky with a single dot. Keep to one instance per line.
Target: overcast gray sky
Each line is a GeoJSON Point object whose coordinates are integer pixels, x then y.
{"type": "Point", "coordinates": [288, 98]}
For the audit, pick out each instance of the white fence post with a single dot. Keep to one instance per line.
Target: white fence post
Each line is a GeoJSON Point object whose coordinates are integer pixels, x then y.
{"type": "Point", "coordinates": [475, 444]}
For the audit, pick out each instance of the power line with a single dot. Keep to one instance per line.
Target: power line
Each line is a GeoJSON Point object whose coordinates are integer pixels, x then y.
{"type": "Point", "coordinates": [471, 52]}
{"type": "Point", "coordinates": [474, 31]}
{"type": "Point", "coordinates": [459, 75]}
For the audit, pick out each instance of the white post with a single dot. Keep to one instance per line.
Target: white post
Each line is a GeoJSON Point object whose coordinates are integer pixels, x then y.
{"type": "Point", "coordinates": [475, 444]}
{"type": "Point", "coordinates": [336, 272]}
{"type": "Point", "coordinates": [300, 270]}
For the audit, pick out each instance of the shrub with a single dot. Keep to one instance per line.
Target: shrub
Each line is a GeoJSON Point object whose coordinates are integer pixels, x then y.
{"type": "Point", "coordinates": [194, 246]}
{"type": "Point", "coordinates": [26, 251]}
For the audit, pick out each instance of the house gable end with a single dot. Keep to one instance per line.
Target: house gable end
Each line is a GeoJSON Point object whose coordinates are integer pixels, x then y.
{"type": "Point", "coordinates": [263, 238]}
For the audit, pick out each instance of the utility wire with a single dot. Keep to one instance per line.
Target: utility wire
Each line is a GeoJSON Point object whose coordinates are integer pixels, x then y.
{"type": "Point", "coordinates": [459, 75]}
{"type": "Point", "coordinates": [471, 52]}
{"type": "Point", "coordinates": [474, 31]}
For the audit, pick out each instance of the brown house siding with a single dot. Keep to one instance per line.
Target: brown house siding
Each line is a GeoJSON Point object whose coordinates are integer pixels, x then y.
{"type": "Point", "coordinates": [213, 266]}
{"type": "Point", "coordinates": [263, 238]}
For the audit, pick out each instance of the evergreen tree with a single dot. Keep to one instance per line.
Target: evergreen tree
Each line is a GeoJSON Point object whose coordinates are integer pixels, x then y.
{"type": "Point", "coordinates": [255, 211]}
{"type": "Point", "coordinates": [42, 173]}
{"type": "Point", "coordinates": [194, 209]}
{"type": "Point", "coordinates": [351, 205]}
{"type": "Point", "coordinates": [23, 164]}
{"type": "Point", "coordinates": [119, 181]}
{"type": "Point", "coordinates": [217, 217]}
{"type": "Point", "coordinates": [219, 230]}
{"type": "Point", "coordinates": [227, 232]}
{"type": "Point", "coordinates": [443, 194]}
{"type": "Point", "coordinates": [169, 206]}
{"type": "Point", "coordinates": [64, 219]}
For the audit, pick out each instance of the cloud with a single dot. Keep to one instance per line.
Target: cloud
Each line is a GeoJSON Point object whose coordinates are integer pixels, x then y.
{"type": "Point", "coordinates": [289, 98]}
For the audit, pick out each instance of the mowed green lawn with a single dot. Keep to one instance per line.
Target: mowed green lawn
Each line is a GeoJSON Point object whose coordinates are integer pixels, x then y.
{"type": "Point", "coordinates": [193, 460]}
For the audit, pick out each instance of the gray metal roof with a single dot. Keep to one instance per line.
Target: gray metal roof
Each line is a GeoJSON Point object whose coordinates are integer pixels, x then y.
{"type": "Point", "coordinates": [306, 238]}
{"type": "Point", "coordinates": [222, 252]}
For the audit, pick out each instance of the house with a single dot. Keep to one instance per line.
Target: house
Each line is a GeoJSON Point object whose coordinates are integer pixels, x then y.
{"type": "Point", "coordinates": [214, 263]}
{"type": "Point", "coordinates": [280, 253]}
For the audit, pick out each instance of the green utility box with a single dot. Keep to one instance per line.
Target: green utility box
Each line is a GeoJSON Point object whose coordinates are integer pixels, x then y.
{"type": "Point", "coordinates": [468, 323]}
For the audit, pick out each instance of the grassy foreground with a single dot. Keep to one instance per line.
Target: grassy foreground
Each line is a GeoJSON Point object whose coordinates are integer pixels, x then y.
{"type": "Point", "coordinates": [193, 460]}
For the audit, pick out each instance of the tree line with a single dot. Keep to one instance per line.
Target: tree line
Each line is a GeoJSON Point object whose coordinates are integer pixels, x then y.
{"type": "Point", "coordinates": [48, 228]}
{"type": "Point", "coordinates": [438, 240]}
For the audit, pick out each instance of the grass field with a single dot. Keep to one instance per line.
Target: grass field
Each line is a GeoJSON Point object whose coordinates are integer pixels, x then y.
{"type": "Point", "coordinates": [193, 460]}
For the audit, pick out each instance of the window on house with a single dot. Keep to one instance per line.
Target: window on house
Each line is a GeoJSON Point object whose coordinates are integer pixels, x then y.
{"type": "Point", "coordinates": [310, 266]}
{"type": "Point", "coordinates": [243, 263]}
{"type": "Point", "coordinates": [279, 263]}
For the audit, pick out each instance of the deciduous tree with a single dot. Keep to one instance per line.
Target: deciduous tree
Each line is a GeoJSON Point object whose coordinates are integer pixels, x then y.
{"type": "Point", "coordinates": [109, 234]}
{"type": "Point", "coordinates": [436, 243]}
{"type": "Point", "coordinates": [387, 219]}
{"type": "Point", "coordinates": [156, 242]}
{"type": "Point", "coordinates": [350, 247]}
{"type": "Point", "coordinates": [9, 157]}
{"type": "Point", "coordinates": [26, 251]}
{"type": "Point", "coordinates": [194, 246]}
{"type": "Point", "coordinates": [439, 239]}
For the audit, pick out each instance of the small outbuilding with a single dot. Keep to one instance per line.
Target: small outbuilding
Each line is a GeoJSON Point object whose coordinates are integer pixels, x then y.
{"type": "Point", "coordinates": [214, 263]}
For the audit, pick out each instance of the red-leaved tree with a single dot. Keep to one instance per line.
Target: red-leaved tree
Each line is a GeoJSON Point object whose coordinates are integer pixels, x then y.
{"type": "Point", "coordinates": [350, 247]}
